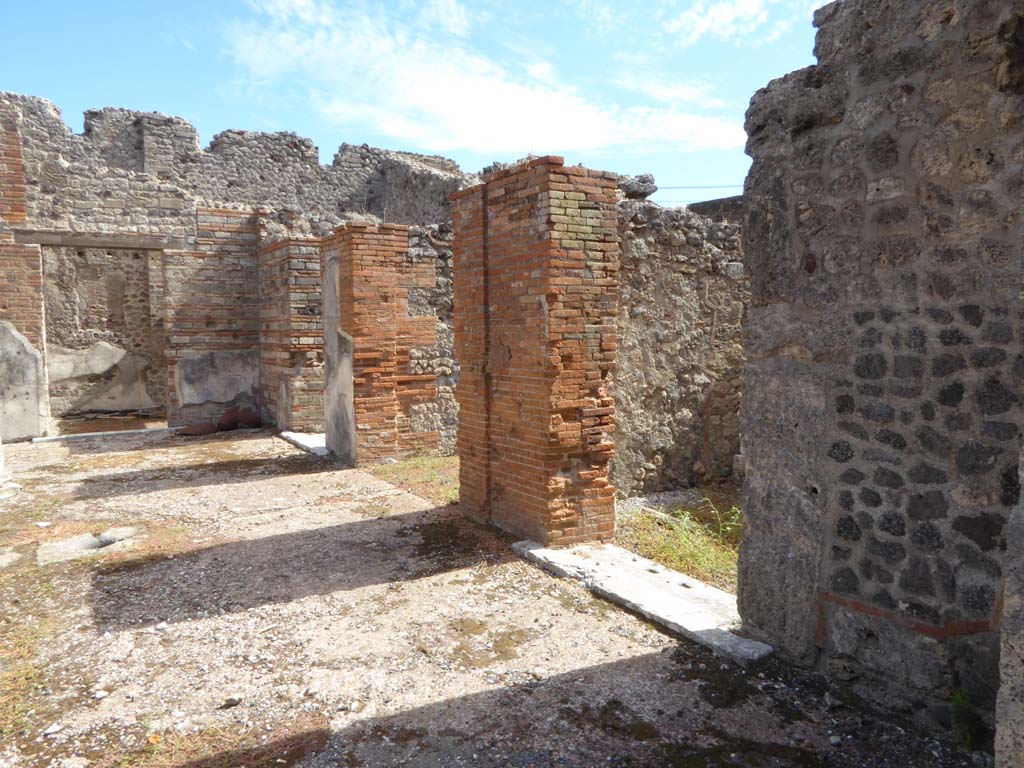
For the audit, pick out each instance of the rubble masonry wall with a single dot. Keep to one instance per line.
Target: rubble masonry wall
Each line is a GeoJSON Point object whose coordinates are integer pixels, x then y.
{"type": "Point", "coordinates": [882, 405]}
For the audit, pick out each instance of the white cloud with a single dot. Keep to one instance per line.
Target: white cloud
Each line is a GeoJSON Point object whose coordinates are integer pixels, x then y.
{"type": "Point", "coordinates": [448, 16]}
{"type": "Point", "coordinates": [665, 92]}
{"type": "Point", "coordinates": [725, 20]}
{"type": "Point", "coordinates": [368, 69]}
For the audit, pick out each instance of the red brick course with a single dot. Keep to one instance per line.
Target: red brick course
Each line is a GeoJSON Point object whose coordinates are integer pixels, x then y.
{"type": "Point", "coordinates": [13, 199]}
{"type": "Point", "coordinates": [536, 293]}
{"type": "Point", "coordinates": [375, 275]}
{"type": "Point", "coordinates": [21, 289]}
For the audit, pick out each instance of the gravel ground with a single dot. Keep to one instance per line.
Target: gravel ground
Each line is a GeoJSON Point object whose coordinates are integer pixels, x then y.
{"type": "Point", "coordinates": [278, 610]}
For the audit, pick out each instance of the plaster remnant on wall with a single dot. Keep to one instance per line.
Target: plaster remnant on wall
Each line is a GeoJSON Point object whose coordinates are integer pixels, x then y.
{"type": "Point", "coordinates": [23, 410]}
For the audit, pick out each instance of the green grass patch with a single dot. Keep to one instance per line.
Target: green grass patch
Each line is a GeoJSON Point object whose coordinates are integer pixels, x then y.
{"type": "Point", "coordinates": [433, 477]}
{"type": "Point", "coordinates": [702, 542]}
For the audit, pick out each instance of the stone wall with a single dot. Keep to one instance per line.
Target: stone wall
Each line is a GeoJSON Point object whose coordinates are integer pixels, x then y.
{"type": "Point", "coordinates": [1010, 709]}
{"type": "Point", "coordinates": [291, 335]}
{"type": "Point", "coordinates": [104, 340]}
{"type": "Point", "coordinates": [536, 286]}
{"type": "Point", "coordinates": [140, 172]}
{"type": "Point", "coordinates": [882, 407]}
{"type": "Point", "coordinates": [213, 318]}
{"type": "Point", "coordinates": [682, 298]}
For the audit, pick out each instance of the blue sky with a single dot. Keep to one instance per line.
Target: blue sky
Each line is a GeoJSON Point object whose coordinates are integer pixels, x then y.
{"type": "Point", "coordinates": [658, 86]}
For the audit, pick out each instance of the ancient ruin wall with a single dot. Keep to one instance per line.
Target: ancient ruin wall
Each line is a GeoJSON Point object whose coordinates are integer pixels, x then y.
{"type": "Point", "coordinates": [213, 318]}
{"type": "Point", "coordinates": [138, 172]}
{"type": "Point", "coordinates": [536, 288]}
{"type": "Point", "coordinates": [882, 398]}
{"type": "Point", "coordinates": [104, 332]}
{"type": "Point", "coordinates": [291, 335]}
{"type": "Point", "coordinates": [682, 297]}
{"type": "Point", "coordinates": [371, 276]}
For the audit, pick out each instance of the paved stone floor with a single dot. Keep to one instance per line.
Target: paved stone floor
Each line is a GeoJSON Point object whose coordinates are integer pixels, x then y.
{"type": "Point", "coordinates": [277, 610]}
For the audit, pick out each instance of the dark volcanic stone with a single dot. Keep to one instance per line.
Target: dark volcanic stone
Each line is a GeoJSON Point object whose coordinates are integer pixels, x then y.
{"type": "Point", "coordinates": [947, 579]}
{"type": "Point", "coordinates": [841, 451]}
{"type": "Point", "coordinates": [998, 333]}
{"type": "Point", "coordinates": [847, 529]}
{"type": "Point", "coordinates": [917, 577]}
{"type": "Point", "coordinates": [917, 339]}
{"type": "Point", "coordinates": [852, 477]}
{"type": "Point", "coordinates": [863, 317]}
{"type": "Point", "coordinates": [841, 554]}
{"type": "Point", "coordinates": [871, 366]}
{"type": "Point", "coordinates": [870, 497]}
{"type": "Point", "coordinates": [974, 458]}
{"type": "Point", "coordinates": [927, 537]}
{"type": "Point", "coordinates": [948, 363]}
{"type": "Point", "coordinates": [890, 551]}
{"type": "Point", "coordinates": [871, 390]}
{"type": "Point", "coordinates": [986, 357]}
{"type": "Point", "coordinates": [893, 524]}
{"type": "Point", "coordinates": [994, 398]}
{"type": "Point", "coordinates": [845, 582]}
{"type": "Point", "coordinates": [930, 505]}
{"type": "Point", "coordinates": [1000, 430]}
{"type": "Point", "coordinates": [906, 367]}
{"type": "Point", "coordinates": [846, 500]}
{"type": "Point", "coordinates": [845, 404]}
{"type": "Point", "coordinates": [923, 612]}
{"type": "Point", "coordinates": [933, 442]}
{"type": "Point", "coordinates": [972, 313]}
{"type": "Point", "coordinates": [872, 570]}
{"type": "Point", "coordinates": [883, 599]}
{"type": "Point", "coordinates": [927, 411]}
{"type": "Point", "coordinates": [871, 338]}
{"type": "Point", "coordinates": [958, 422]}
{"type": "Point", "coordinates": [926, 474]}
{"type": "Point", "coordinates": [951, 394]}
{"type": "Point", "coordinates": [882, 413]}
{"type": "Point", "coordinates": [887, 478]}
{"type": "Point", "coordinates": [1009, 484]}
{"type": "Point", "coordinates": [940, 316]}
{"type": "Point", "coordinates": [985, 530]}
{"type": "Point", "coordinates": [977, 600]}
{"type": "Point", "coordinates": [953, 337]}
{"type": "Point", "coordinates": [887, 314]}
{"type": "Point", "coordinates": [970, 557]}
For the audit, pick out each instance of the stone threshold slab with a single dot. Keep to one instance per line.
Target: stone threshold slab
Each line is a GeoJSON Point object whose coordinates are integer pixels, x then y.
{"type": "Point", "coordinates": [315, 443]}
{"type": "Point", "coordinates": [681, 604]}
{"type": "Point", "coordinates": [94, 435]}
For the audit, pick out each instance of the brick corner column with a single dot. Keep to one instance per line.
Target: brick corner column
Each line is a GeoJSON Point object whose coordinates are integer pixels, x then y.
{"type": "Point", "coordinates": [536, 297]}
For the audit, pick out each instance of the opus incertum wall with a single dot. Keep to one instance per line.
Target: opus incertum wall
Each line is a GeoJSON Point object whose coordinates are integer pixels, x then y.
{"type": "Point", "coordinates": [883, 392]}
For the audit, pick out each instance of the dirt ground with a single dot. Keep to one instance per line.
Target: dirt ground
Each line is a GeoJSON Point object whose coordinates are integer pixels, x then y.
{"type": "Point", "coordinates": [279, 611]}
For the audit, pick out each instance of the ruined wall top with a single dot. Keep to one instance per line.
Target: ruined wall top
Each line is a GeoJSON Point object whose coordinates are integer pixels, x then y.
{"type": "Point", "coordinates": [125, 151]}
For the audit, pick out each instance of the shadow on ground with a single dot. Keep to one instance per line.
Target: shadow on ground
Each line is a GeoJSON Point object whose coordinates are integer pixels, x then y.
{"type": "Point", "coordinates": [646, 712]}
{"type": "Point", "coordinates": [237, 576]}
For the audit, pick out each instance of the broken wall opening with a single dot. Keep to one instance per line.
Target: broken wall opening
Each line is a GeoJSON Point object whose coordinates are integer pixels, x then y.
{"type": "Point", "coordinates": [104, 330]}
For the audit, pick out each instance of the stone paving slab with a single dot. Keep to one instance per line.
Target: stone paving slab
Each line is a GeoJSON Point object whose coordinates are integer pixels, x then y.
{"type": "Point", "coordinates": [315, 443]}
{"type": "Point", "coordinates": [677, 602]}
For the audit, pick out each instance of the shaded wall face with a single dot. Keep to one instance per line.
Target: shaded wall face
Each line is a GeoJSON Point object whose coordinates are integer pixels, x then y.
{"type": "Point", "coordinates": [104, 329]}
{"type": "Point", "coordinates": [291, 335]}
{"type": "Point", "coordinates": [882, 399]}
{"type": "Point", "coordinates": [682, 297]}
{"type": "Point", "coordinates": [536, 287]}
{"type": "Point", "coordinates": [212, 318]}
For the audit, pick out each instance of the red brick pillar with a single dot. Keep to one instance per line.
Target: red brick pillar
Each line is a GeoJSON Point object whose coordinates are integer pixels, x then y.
{"type": "Point", "coordinates": [375, 276]}
{"type": "Point", "coordinates": [536, 291]}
